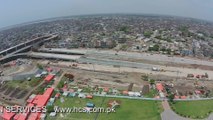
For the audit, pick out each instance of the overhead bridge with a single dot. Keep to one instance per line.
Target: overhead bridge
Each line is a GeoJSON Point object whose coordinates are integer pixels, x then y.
{"type": "Point", "coordinates": [17, 48]}
{"type": "Point", "coordinates": [24, 47]}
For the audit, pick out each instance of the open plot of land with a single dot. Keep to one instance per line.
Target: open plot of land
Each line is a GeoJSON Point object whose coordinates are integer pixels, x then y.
{"type": "Point", "coordinates": [15, 92]}
{"type": "Point", "coordinates": [24, 83]}
{"type": "Point", "coordinates": [109, 76]}
{"type": "Point", "coordinates": [108, 79]}
{"type": "Point", "coordinates": [194, 109]}
{"type": "Point", "coordinates": [128, 110]}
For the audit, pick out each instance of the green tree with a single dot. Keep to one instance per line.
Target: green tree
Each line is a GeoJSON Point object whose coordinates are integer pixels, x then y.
{"type": "Point", "coordinates": [124, 29]}
{"type": "Point", "coordinates": [171, 98]}
{"type": "Point", "coordinates": [154, 48]}
{"type": "Point", "coordinates": [152, 82]}
{"type": "Point", "coordinates": [40, 66]}
{"type": "Point", "coordinates": [147, 34]}
{"type": "Point", "coordinates": [50, 109]}
{"type": "Point", "coordinates": [60, 84]}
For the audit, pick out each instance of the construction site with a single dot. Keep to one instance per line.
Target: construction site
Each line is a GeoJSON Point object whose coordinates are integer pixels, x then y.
{"type": "Point", "coordinates": [114, 69]}
{"type": "Point", "coordinates": [29, 74]}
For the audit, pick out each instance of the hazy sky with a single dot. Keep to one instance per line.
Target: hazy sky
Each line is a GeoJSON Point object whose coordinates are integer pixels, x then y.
{"type": "Point", "coordinates": [19, 11]}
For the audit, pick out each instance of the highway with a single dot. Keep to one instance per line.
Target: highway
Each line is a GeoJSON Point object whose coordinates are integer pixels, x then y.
{"type": "Point", "coordinates": [111, 54]}
{"type": "Point", "coordinates": [118, 63]}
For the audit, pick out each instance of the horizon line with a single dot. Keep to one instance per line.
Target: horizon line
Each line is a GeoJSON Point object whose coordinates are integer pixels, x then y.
{"type": "Point", "coordinates": [96, 14]}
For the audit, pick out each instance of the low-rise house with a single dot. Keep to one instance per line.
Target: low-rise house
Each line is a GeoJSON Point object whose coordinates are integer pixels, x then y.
{"type": "Point", "coordinates": [198, 92]}
{"type": "Point", "coordinates": [57, 95]}
{"type": "Point", "coordinates": [106, 89]}
{"type": "Point", "coordinates": [161, 94]}
{"type": "Point", "coordinates": [89, 96]}
{"type": "Point", "coordinates": [72, 94]}
{"type": "Point", "coordinates": [79, 90]}
{"type": "Point", "coordinates": [65, 93]}
{"type": "Point", "coordinates": [90, 105]}
{"type": "Point", "coordinates": [52, 114]}
{"type": "Point", "coordinates": [38, 75]}
{"type": "Point", "coordinates": [159, 87]}
{"type": "Point", "coordinates": [134, 94]}
{"type": "Point", "coordinates": [115, 91]}
{"type": "Point", "coordinates": [176, 97]}
{"type": "Point", "coordinates": [182, 97]}
{"type": "Point", "coordinates": [51, 101]}
{"type": "Point", "coordinates": [82, 95]}
{"type": "Point", "coordinates": [49, 78]}
{"type": "Point", "coordinates": [125, 92]}
{"type": "Point", "coordinates": [44, 73]}
{"type": "Point", "coordinates": [103, 93]}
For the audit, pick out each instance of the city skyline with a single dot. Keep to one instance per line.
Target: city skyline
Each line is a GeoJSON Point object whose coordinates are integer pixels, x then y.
{"type": "Point", "coordinates": [16, 12]}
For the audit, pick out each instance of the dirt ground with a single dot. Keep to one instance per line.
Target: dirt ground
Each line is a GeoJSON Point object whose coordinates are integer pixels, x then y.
{"type": "Point", "coordinates": [168, 71]}
{"type": "Point", "coordinates": [109, 76]}
{"type": "Point", "coordinates": [108, 79]}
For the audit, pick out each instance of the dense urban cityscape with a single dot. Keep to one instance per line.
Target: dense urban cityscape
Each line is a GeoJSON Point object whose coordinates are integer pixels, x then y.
{"type": "Point", "coordinates": [163, 34]}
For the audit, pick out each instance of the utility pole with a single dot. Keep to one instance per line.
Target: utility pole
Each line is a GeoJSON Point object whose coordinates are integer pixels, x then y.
{"type": "Point", "coordinates": [93, 67]}
{"type": "Point", "coordinates": [177, 75]}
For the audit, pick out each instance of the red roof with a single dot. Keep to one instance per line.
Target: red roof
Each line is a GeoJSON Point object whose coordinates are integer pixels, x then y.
{"type": "Point", "coordinates": [106, 89]}
{"type": "Point", "coordinates": [49, 69]}
{"type": "Point", "coordinates": [71, 90]}
{"type": "Point", "coordinates": [7, 115]}
{"type": "Point", "coordinates": [89, 96]}
{"type": "Point", "coordinates": [33, 116]}
{"type": "Point", "coordinates": [57, 95]}
{"type": "Point", "coordinates": [22, 116]}
{"type": "Point", "coordinates": [159, 86]}
{"type": "Point", "coordinates": [197, 91]}
{"type": "Point", "coordinates": [49, 78]}
{"type": "Point", "coordinates": [176, 97]}
{"type": "Point", "coordinates": [41, 100]}
{"type": "Point", "coordinates": [48, 92]}
{"type": "Point", "coordinates": [183, 97]}
{"type": "Point", "coordinates": [16, 116]}
{"type": "Point", "coordinates": [125, 92]}
{"type": "Point", "coordinates": [30, 105]}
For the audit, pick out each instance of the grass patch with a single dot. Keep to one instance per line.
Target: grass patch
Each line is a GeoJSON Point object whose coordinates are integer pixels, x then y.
{"type": "Point", "coordinates": [61, 83]}
{"type": "Point", "coordinates": [24, 83]}
{"type": "Point", "coordinates": [193, 109]}
{"type": "Point", "coordinates": [129, 109]}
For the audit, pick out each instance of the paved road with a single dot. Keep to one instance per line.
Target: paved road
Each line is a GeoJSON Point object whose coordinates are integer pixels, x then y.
{"type": "Point", "coordinates": [122, 54]}
{"type": "Point", "coordinates": [147, 56]}
{"type": "Point", "coordinates": [168, 114]}
{"type": "Point", "coordinates": [210, 117]}
{"type": "Point", "coordinates": [117, 63]}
